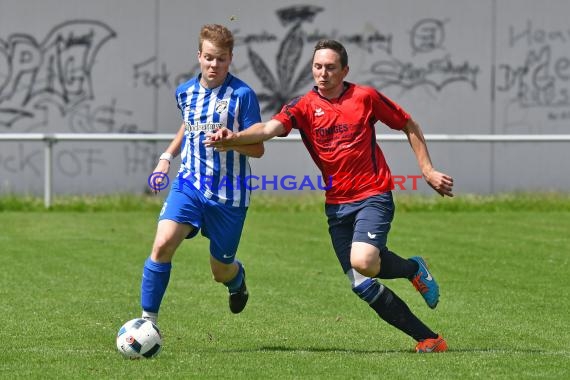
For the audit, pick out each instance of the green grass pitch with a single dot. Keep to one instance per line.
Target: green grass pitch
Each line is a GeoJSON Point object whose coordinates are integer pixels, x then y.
{"type": "Point", "coordinates": [69, 279]}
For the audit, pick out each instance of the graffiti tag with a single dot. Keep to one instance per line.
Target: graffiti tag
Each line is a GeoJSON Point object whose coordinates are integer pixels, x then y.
{"type": "Point", "coordinates": [56, 70]}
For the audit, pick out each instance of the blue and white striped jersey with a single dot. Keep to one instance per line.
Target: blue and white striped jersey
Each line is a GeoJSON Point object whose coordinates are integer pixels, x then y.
{"type": "Point", "coordinates": [219, 176]}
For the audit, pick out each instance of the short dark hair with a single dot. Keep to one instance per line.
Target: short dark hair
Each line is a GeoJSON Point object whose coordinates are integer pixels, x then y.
{"type": "Point", "coordinates": [217, 34]}
{"type": "Point", "coordinates": [333, 45]}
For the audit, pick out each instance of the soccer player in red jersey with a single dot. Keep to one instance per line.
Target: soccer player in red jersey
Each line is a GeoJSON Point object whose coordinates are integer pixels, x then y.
{"type": "Point", "coordinates": [336, 121]}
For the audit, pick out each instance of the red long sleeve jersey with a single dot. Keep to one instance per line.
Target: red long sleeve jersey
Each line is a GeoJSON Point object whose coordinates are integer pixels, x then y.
{"type": "Point", "coordinates": [340, 137]}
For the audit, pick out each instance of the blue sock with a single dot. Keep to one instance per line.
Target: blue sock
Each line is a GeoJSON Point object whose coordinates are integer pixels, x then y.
{"type": "Point", "coordinates": [235, 284]}
{"type": "Point", "coordinates": [154, 282]}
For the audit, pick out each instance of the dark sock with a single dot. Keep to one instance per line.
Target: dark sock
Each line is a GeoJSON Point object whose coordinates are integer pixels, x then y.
{"type": "Point", "coordinates": [393, 310]}
{"type": "Point", "coordinates": [394, 266]}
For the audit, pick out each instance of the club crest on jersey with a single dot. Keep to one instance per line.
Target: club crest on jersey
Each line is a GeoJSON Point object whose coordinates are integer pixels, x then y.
{"type": "Point", "coordinates": [319, 112]}
{"type": "Point", "coordinates": [221, 106]}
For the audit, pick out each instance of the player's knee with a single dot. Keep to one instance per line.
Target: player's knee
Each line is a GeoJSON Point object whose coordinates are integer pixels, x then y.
{"type": "Point", "coordinates": [162, 250]}
{"type": "Point", "coordinates": [365, 265]}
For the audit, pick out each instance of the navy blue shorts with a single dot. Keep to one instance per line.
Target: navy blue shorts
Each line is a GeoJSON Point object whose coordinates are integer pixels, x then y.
{"type": "Point", "coordinates": [220, 223]}
{"type": "Point", "coordinates": [367, 221]}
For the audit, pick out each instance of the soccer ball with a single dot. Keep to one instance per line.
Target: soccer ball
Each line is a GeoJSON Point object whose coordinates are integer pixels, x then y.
{"type": "Point", "coordinates": [139, 338]}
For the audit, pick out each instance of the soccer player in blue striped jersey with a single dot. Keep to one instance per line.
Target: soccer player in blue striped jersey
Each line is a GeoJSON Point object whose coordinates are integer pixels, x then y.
{"type": "Point", "coordinates": [208, 193]}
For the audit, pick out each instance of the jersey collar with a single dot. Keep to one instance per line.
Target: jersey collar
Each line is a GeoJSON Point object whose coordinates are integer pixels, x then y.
{"type": "Point", "coordinates": [346, 86]}
{"type": "Point", "coordinates": [224, 83]}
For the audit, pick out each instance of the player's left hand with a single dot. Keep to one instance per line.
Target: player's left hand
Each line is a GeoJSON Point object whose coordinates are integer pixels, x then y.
{"type": "Point", "coordinates": [440, 182]}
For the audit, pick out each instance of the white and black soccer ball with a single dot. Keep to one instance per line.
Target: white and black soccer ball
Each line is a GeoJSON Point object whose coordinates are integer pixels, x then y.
{"type": "Point", "coordinates": [139, 338]}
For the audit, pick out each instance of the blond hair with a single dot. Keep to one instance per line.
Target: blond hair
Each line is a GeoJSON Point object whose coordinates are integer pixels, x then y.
{"type": "Point", "coordinates": [218, 35]}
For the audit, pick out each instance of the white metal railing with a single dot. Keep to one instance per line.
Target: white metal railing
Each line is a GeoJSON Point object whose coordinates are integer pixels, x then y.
{"type": "Point", "coordinates": [49, 139]}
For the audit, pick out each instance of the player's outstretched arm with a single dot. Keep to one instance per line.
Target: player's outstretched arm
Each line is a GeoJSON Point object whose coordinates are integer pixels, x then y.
{"type": "Point", "coordinates": [257, 133]}
{"type": "Point", "coordinates": [251, 150]}
{"type": "Point", "coordinates": [440, 182]}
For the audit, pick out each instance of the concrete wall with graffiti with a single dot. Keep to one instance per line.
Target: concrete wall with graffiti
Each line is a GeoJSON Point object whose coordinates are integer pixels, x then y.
{"type": "Point", "coordinates": [458, 66]}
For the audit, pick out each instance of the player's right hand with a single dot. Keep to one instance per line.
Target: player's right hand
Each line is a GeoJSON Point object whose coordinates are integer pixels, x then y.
{"type": "Point", "coordinates": [440, 182]}
{"type": "Point", "coordinates": [218, 138]}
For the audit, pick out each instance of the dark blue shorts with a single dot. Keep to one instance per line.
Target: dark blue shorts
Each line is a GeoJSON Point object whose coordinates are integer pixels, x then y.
{"type": "Point", "coordinates": [367, 221]}
{"type": "Point", "coordinates": [220, 223]}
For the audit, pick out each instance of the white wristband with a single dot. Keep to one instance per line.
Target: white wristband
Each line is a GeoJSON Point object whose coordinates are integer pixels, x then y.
{"type": "Point", "coordinates": [166, 156]}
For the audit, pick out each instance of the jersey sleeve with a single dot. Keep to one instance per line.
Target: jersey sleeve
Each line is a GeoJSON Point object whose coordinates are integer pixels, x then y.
{"type": "Point", "coordinates": [290, 115]}
{"type": "Point", "coordinates": [249, 110]}
{"type": "Point", "coordinates": [177, 98]}
{"type": "Point", "coordinates": [180, 97]}
{"type": "Point", "coordinates": [388, 111]}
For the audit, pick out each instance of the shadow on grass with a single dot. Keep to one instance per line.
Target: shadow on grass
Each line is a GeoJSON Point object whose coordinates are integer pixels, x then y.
{"type": "Point", "coordinates": [320, 349]}
{"type": "Point", "coordinates": [509, 351]}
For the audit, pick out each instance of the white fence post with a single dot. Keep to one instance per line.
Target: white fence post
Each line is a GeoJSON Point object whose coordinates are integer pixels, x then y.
{"type": "Point", "coordinates": [48, 170]}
